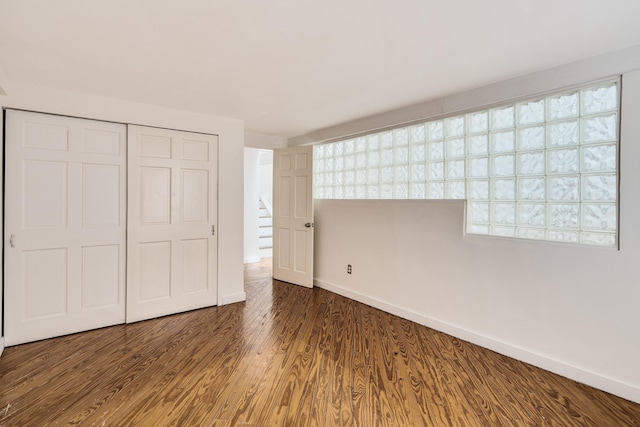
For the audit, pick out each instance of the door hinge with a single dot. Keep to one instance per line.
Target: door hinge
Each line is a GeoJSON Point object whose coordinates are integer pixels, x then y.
{"type": "Point", "coordinates": [213, 230]}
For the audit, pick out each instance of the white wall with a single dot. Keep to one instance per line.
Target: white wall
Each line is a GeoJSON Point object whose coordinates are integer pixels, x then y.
{"type": "Point", "coordinates": [251, 204]}
{"type": "Point", "coordinates": [4, 83]}
{"type": "Point", "coordinates": [566, 308]}
{"type": "Point", "coordinates": [231, 158]}
{"type": "Point", "coordinates": [261, 140]}
{"type": "Point", "coordinates": [266, 177]}
{"type": "Point", "coordinates": [1, 225]}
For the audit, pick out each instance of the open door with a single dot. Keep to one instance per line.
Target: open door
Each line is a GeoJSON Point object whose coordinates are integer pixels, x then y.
{"type": "Point", "coordinates": [293, 215]}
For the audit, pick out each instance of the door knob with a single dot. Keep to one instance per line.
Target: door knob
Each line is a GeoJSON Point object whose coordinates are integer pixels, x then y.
{"type": "Point", "coordinates": [308, 225]}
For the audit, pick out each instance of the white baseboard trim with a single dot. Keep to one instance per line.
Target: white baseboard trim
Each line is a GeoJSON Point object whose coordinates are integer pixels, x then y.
{"type": "Point", "coordinates": [610, 385]}
{"type": "Point", "coordinates": [230, 299]}
{"type": "Point", "coordinates": [389, 308]}
{"type": "Point", "coordinates": [1, 345]}
{"type": "Point", "coordinates": [559, 367]}
{"type": "Point", "coordinates": [251, 259]}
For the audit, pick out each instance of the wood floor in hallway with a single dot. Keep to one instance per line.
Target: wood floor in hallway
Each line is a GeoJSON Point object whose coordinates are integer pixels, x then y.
{"type": "Point", "coordinates": [288, 356]}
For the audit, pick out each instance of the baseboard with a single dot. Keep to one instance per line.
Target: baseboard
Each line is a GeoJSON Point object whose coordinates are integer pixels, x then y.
{"type": "Point", "coordinates": [547, 363]}
{"type": "Point", "coordinates": [251, 259]}
{"type": "Point", "coordinates": [1, 345]}
{"type": "Point", "coordinates": [389, 308]}
{"type": "Point", "coordinates": [610, 385]}
{"type": "Point", "coordinates": [230, 299]}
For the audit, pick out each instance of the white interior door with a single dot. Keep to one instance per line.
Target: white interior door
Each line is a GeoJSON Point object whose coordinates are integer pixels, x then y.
{"type": "Point", "coordinates": [293, 215]}
{"type": "Point", "coordinates": [64, 225]}
{"type": "Point", "coordinates": [172, 212]}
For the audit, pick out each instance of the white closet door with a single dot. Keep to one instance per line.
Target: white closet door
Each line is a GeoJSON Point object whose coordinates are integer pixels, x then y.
{"type": "Point", "coordinates": [172, 212]}
{"type": "Point", "coordinates": [293, 215]}
{"type": "Point", "coordinates": [64, 225]}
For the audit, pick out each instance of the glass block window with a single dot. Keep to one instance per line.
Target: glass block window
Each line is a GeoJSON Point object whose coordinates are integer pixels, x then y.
{"type": "Point", "coordinates": [541, 169]}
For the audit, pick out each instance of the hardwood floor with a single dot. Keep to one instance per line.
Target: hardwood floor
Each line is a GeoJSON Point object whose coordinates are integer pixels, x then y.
{"type": "Point", "coordinates": [288, 356]}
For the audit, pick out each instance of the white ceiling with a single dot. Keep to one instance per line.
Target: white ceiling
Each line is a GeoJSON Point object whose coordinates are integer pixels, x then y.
{"type": "Point", "coordinates": [289, 67]}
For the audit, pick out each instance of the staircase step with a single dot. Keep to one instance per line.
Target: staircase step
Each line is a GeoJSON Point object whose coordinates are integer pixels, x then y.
{"type": "Point", "coordinates": [266, 242]}
{"type": "Point", "coordinates": [265, 232]}
{"type": "Point", "coordinates": [265, 222]}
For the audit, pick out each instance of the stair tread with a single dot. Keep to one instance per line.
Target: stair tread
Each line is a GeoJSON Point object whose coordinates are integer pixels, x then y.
{"type": "Point", "coordinates": [265, 226]}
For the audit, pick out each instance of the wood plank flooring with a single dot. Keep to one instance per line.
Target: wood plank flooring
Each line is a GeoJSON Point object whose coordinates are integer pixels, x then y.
{"type": "Point", "coordinates": [288, 356]}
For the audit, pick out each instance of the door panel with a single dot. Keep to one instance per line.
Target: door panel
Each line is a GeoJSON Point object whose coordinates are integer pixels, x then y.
{"type": "Point", "coordinates": [155, 146]}
{"type": "Point", "coordinates": [101, 195]}
{"type": "Point", "coordinates": [172, 193]}
{"type": "Point", "coordinates": [64, 225]}
{"type": "Point", "coordinates": [293, 216]}
{"type": "Point", "coordinates": [45, 283]}
{"type": "Point", "coordinates": [155, 270]}
{"type": "Point", "coordinates": [47, 136]}
{"type": "Point", "coordinates": [301, 203]}
{"type": "Point", "coordinates": [195, 195]}
{"type": "Point", "coordinates": [155, 195]}
{"type": "Point", "coordinates": [195, 150]}
{"type": "Point", "coordinates": [101, 142]}
{"type": "Point", "coordinates": [99, 269]}
{"type": "Point", "coordinates": [195, 254]}
{"type": "Point", "coordinates": [300, 245]}
{"type": "Point", "coordinates": [45, 194]}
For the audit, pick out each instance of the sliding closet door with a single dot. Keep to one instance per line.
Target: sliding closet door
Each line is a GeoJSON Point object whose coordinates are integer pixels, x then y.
{"type": "Point", "coordinates": [172, 212]}
{"type": "Point", "coordinates": [64, 225]}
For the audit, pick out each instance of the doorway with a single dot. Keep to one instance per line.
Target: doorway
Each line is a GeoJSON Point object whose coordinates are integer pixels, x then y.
{"type": "Point", "coordinates": [282, 179]}
{"type": "Point", "coordinates": [258, 206]}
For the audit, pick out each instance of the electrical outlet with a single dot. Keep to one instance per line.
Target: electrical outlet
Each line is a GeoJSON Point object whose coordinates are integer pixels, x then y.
{"type": "Point", "coordinates": [348, 268]}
